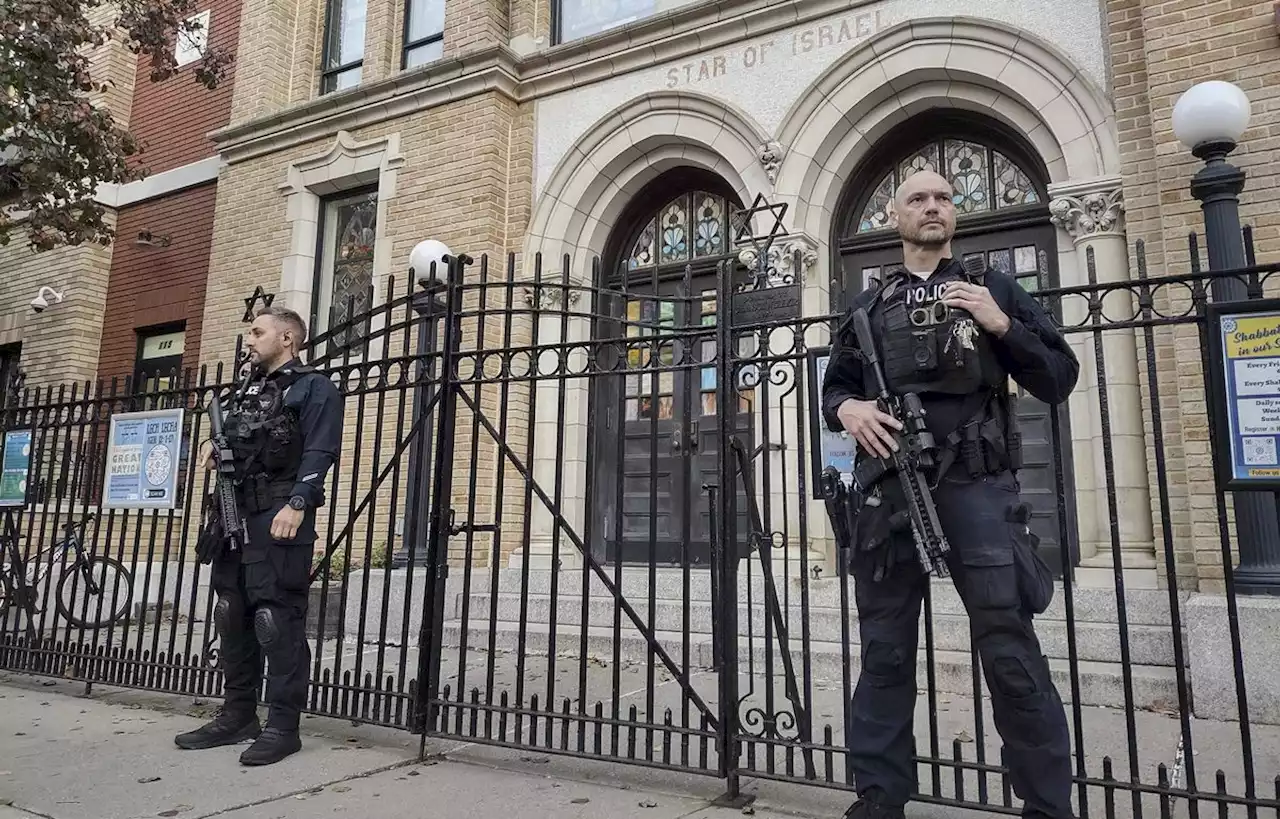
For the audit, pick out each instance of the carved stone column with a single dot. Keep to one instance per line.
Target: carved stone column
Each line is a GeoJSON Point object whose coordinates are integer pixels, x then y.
{"type": "Point", "coordinates": [1092, 213]}
{"type": "Point", "coordinates": [560, 441]}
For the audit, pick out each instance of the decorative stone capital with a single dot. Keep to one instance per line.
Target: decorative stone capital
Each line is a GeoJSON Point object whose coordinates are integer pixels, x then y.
{"type": "Point", "coordinates": [1087, 210]}
{"type": "Point", "coordinates": [786, 261]}
{"type": "Point", "coordinates": [548, 296]}
{"type": "Point", "coordinates": [770, 155]}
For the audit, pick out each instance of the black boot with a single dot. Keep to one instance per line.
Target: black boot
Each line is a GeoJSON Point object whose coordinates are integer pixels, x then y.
{"type": "Point", "coordinates": [866, 809]}
{"type": "Point", "coordinates": [226, 728]}
{"type": "Point", "coordinates": [273, 745]}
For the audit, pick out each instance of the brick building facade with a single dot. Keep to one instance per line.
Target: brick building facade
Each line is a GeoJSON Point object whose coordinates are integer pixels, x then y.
{"type": "Point", "coordinates": [480, 126]}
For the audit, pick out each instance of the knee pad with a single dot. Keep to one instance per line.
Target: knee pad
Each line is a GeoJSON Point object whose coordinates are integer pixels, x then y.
{"type": "Point", "coordinates": [227, 618]}
{"type": "Point", "coordinates": [266, 628]}
{"type": "Point", "coordinates": [886, 663]}
{"type": "Point", "coordinates": [1013, 678]}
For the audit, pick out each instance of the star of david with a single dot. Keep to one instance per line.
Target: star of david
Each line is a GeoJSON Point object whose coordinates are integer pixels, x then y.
{"type": "Point", "coordinates": [258, 294]}
{"type": "Point", "coordinates": [745, 219]}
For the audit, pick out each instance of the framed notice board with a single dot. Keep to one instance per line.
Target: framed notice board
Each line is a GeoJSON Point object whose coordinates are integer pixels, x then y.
{"type": "Point", "coordinates": [1243, 385]}
{"type": "Point", "coordinates": [15, 467]}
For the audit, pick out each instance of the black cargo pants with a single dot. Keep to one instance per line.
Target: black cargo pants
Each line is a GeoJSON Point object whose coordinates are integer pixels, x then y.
{"type": "Point", "coordinates": [1026, 707]}
{"type": "Point", "coordinates": [261, 614]}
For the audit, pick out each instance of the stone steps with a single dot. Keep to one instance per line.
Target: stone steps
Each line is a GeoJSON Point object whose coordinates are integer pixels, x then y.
{"type": "Point", "coordinates": [1095, 641]}
{"type": "Point", "coordinates": [1101, 683]}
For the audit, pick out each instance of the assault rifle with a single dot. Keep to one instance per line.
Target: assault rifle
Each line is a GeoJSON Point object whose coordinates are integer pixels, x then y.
{"type": "Point", "coordinates": [917, 451]}
{"type": "Point", "coordinates": [233, 535]}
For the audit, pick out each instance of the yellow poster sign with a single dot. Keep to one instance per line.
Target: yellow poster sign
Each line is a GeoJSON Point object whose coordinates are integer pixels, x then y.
{"type": "Point", "coordinates": [1253, 337]}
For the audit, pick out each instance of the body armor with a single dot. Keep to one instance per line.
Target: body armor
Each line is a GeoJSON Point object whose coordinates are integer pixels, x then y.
{"type": "Point", "coordinates": [935, 351]}
{"type": "Point", "coordinates": [266, 440]}
{"type": "Point", "coordinates": [929, 347]}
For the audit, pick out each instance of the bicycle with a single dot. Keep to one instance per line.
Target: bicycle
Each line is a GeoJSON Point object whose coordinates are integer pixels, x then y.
{"type": "Point", "coordinates": [96, 575]}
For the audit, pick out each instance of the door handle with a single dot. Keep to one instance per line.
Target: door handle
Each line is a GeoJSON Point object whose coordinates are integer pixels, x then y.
{"type": "Point", "coordinates": [676, 442]}
{"type": "Point", "coordinates": [694, 437]}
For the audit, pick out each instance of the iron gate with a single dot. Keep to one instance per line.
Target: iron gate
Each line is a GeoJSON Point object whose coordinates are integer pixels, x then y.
{"type": "Point", "coordinates": [467, 585]}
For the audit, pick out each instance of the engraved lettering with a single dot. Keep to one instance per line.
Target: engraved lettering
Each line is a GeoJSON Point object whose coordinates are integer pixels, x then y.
{"type": "Point", "coordinates": [841, 33]}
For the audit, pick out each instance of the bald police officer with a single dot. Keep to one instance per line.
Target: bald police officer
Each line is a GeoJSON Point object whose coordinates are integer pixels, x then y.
{"type": "Point", "coordinates": [953, 335]}
{"type": "Point", "coordinates": [286, 432]}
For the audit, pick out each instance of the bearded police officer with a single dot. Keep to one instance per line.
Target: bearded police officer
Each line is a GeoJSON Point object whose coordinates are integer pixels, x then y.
{"type": "Point", "coordinates": [285, 430]}
{"type": "Point", "coordinates": [953, 333]}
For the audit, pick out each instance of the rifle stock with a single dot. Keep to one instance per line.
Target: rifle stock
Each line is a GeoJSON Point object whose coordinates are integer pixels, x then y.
{"type": "Point", "coordinates": [916, 452]}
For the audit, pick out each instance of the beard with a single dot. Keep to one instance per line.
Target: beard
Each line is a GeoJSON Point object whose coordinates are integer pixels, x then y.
{"type": "Point", "coordinates": [930, 236]}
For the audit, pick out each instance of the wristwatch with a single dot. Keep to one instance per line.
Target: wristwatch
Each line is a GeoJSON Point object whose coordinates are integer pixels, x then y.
{"type": "Point", "coordinates": [297, 502]}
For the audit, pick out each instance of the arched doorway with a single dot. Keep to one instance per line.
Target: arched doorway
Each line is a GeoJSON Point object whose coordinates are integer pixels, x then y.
{"type": "Point", "coordinates": [1003, 216]}
{"type": "Point", "coordinates": [657, 442]}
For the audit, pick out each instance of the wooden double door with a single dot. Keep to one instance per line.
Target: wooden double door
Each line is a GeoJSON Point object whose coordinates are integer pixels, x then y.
{"type": "Point", "coordinates": [656, 448]}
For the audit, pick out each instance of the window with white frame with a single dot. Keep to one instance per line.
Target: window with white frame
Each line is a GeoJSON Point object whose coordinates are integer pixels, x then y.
{"type": "Point", "coordinates": [423, 32]}
{"type": "Point", "coordinates": [343, 56]}
{"type": "Point", "coordinates": [343, 292]}
{"type": "Point", "coordinates": [193, 39]}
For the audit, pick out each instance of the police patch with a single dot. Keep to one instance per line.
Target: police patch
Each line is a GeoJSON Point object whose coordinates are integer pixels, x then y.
{"type": "Point", "coordinates": [924, 293]}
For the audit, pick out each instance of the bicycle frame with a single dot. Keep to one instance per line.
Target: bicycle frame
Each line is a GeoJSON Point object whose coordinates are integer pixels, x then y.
{"type": "Point", "coordinates": [26, 594]}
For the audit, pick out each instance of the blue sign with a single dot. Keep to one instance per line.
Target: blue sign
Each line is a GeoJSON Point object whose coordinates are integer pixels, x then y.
{"type": "Point", "coordinates": [837, 449]}
{"type": "Point", "coordinates": [15, 467]}
{"type": "Point", "coordinates": [143, 455]}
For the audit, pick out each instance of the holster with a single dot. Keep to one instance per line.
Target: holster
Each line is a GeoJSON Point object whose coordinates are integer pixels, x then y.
{"type": "Point", "coordinates": [881, 521]}
{"type": "Point", "coordinates": [211, 544]}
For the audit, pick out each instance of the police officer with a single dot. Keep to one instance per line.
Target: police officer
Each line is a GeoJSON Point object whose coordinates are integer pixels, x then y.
{"type": "Point", "coordinates": [954, 335]}
{"type": "Point", "coordinates": [285, 430]}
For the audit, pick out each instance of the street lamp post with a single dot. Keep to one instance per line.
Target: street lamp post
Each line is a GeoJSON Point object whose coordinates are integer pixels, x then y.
{"type": "Point", "coordinates": [1209, 119]}
{"type": "Point", "coordinates": [428, 268]}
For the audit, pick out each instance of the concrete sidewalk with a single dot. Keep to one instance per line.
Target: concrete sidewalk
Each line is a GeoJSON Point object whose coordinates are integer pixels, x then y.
{"type": "Point", "coordinates": [110, 755]}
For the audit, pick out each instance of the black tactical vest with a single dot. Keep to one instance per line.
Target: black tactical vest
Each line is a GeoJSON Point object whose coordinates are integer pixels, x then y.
{"type": "Point", "coordinates": [264, 433]}
{"type": "Point", "coordinates": [927, 347]}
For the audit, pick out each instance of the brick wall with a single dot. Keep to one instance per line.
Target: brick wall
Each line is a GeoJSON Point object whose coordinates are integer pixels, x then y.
{"type": "Point", "coordinates": [171, 119]}
{"type": "Point", "coordinates": [477, 203]}
{"type": "Point", "coordinates": [59, 345]}
{"type": "Point", "coordinates": [1158, 51]}
{"type": "Point", "coordinates": [158, 285]}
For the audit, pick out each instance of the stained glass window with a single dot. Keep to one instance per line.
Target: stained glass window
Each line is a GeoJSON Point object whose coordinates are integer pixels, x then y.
{"type": "Point", "coordinates": [346, 286]}
{"type": "Point", "coordinates": [983, 178]}
{"type": "Point", "coordinates": [691, 226]}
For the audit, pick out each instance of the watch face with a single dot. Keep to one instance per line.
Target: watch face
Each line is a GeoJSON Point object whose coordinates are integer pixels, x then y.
{"type": "Point", "coordinates": [297, 503]}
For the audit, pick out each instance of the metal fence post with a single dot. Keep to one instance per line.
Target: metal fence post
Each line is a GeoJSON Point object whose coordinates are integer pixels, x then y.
{"type": "Point", "coordinates": [439, 526]}
{"type": "Point", "coordinates": [1218, 186]}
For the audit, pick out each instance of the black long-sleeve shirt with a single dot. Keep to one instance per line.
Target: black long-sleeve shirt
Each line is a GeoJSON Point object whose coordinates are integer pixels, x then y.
{"type": "Point", "coordinates": [1033, 352]}
{"type": "Point", "coordinates": [319, 406]}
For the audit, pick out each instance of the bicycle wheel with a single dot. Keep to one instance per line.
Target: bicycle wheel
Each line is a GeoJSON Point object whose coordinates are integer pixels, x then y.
{"type": "Point", "coordinates": [102, 605]}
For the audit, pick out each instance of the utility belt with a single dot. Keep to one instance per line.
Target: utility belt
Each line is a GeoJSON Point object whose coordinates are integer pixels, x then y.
{"type": "Point", "coordinates": [259, 493]}
{"type": "Point", "coordinates": [987, 443]}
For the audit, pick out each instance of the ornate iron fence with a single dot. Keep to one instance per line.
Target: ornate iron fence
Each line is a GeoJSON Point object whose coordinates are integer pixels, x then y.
{"type": "Point", "coordinates": [578, 515]}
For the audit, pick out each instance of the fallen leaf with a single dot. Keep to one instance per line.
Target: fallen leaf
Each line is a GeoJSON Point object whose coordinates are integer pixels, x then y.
{"type": "Point", "coordinates": [144, 780]}
{"type": "Point", "coordinates": [648, 803]}
{"type": "Point", "coordinates": [963, 736]}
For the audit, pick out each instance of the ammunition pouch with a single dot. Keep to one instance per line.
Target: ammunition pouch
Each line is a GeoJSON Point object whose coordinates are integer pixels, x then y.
{"type": "Point", "coordinates": [259, 493]}
{"type": "Point", "coordinates": [988, 442]}
{"type": "Point", "coordinates": [1035, 579]}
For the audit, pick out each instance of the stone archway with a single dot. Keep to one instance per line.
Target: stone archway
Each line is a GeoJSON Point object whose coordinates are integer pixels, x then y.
{"type": "Point", "coordinates": [579, 207]}
{"type": "Point", "coordinates": [1031, 87]}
